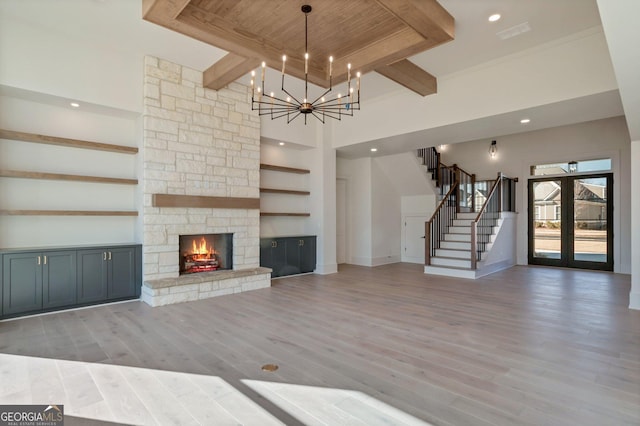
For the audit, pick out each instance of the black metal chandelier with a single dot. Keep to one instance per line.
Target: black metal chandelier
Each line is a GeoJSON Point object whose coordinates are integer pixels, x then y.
{"type": "Point", "coordinates": [292, 106]}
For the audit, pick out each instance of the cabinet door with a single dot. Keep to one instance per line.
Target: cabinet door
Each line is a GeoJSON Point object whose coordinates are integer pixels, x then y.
{"type": "Point", "coordinates": [122, 268]}
{"type": "Point", "coordinates": [294, 250]}
{"type": "Point", "coordinates": [265, 252]}
{"type": "Point", "coordinates": [22, 283]}
{"type": "Point", "coordinates": [272, 255]}
{"type": "Point", "coordinates": [58, 279]}
{"type": "Point", "coordinates": [92, 276]}
{"type": "Point", "coordinates": [308, 254]}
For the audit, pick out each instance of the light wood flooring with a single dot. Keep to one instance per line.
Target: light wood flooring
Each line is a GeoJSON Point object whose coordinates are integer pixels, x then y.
{"type": "Point", "coordinates": [525, 346]}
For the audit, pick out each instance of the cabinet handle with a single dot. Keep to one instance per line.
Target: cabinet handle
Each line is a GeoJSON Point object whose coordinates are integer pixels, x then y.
{"type": "Point", "coordinates": [109, 255]}
{"type": "Point", "coordinates": [274, 244]}
{"type": "Point", "coordinates": [301, 243]}
{"type": "Point", "coordinates": [45, 260]}
{"type": "Point", "coordinates": [104, 255]}
{"type": "Point", "coordinates": [39, 260]}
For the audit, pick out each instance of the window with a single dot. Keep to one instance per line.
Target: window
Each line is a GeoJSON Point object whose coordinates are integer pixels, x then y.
{"type": "Point", "coordinates": [600, 165]}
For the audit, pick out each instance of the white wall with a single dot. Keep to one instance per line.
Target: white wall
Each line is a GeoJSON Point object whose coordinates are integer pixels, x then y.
{"type": "Point", "coordinates": [568, 68]}
{"type": "Point", "coordinates": [606, 138]}
{"type": "Point", "coordinates": [39, 60]}
{"type": "Point", "coordinates": [16, 193]}
{"type": "Point", "coordinates": [386, 230]}
{"type": "Point", "coordinates": [634, 296]}
{"type": "Point", "coordinates": [357, 173]}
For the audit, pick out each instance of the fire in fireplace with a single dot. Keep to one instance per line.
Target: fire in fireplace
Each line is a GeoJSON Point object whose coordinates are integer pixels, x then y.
{"type": "Point", "coordinates": [205, 253]}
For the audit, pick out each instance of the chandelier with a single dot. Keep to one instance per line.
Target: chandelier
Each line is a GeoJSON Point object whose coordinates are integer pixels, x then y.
{"type": "Point", "coordinates": [293, 106]}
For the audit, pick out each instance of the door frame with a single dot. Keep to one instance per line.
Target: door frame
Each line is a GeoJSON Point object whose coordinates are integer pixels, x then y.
{"type": "Point", "coordinates": [567, 226]}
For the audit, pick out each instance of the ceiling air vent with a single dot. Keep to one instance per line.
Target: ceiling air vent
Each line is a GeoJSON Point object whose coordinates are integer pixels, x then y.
{"type": "Point", "coordinates": [514, 31]}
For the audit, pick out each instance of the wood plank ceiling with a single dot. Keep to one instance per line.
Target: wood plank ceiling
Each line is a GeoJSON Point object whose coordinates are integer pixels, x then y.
{"type": "Point", "coordinates": [372, 35]}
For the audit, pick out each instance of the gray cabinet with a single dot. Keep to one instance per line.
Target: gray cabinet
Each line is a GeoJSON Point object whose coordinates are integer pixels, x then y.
{"type": "Point", "coordinates": [33, 282]}
{"type": "Point", "coordinates": [58, 279]}
{"type": "Point", "coordinates": [92, 275]}
{"type": "Point", "coordinates": [273, 255]}
{"type": "Point", "coordinates": [288, 255]}
{"type": "Point", "coordinates": [44, 280]}
{"type": "Point", "coordinates": [109, 273]}
{"type": "Point", "coordinates": [121, 273]}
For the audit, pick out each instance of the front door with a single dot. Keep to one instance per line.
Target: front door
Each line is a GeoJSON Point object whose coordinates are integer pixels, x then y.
{"type": "Point", "coordinates": [570, 221]}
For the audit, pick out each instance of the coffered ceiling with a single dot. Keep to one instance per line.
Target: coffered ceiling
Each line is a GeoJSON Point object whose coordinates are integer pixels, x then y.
{"type": "Point", "coordinates": [372, 35]}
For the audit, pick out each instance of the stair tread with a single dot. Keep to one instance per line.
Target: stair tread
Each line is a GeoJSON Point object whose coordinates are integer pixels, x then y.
{"type": "Point", "coordinates": [452, 258]}
{"type": "Point", "coordinates": [459, 268]}
{"type": "Point", "coordinates": [453, 249]}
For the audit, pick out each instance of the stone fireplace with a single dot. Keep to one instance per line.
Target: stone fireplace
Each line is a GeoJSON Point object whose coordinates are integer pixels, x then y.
{"type": "Point", "coordinates": [201, 176]}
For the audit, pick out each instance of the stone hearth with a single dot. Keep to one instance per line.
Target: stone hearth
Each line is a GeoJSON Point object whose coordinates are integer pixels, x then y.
{"type": "Point", "coordinates": [187, 288]}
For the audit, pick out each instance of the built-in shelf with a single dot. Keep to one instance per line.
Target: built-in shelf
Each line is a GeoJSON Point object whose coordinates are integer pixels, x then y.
{"type": "Point", "coordinates": [285, 214]}
{"type": "Point", "coordinates": [58, 176]}
{"type": "Point", "coordinates": [283, 169]}
{"type": "Point", "coordinates": [283, 191]}
{"type": "Point", "coordinates": [67, 213]}
{"type": "Point", "coordinates": [74, 143]}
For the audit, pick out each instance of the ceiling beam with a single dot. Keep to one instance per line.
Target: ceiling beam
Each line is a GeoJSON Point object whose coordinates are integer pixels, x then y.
{"type": "Point", "coordinates": [427, 17]}
{"type": "Point", "coordinates": [228, 69]}
{"type": "Point", "coordinates": [170, 9]}
{"type": "Point", "coordinates": [382, 52]}
{"type": "Point", "coordinates": [410, 76]}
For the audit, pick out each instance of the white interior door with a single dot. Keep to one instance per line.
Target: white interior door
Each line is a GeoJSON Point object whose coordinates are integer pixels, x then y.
{"type": "Point", "coordinates": [414, 239]}
{"type": "Point", "coordinates": [341, 221]}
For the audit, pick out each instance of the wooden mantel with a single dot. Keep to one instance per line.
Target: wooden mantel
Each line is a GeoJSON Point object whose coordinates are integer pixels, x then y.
{"type": "Point", "coordinates": [204, 202]}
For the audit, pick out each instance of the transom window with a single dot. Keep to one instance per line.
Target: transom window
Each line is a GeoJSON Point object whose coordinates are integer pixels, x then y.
{"type": "Point", "coordinates": [600, 165]}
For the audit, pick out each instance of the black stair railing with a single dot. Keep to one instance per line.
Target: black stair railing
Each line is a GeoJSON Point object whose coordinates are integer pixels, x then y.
{"type": "Point", "coordinates": [501, 198]}
{"type": "Point", "coordinates": [438, 225]}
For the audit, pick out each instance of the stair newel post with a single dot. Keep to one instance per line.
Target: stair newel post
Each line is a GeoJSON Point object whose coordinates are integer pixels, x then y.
{"type": "Point", "coordinates": [427, 243]}
{"type": "Point", "coordinates": [456, 178]}
{"type": "Point", "coordinates": [438, 170]}
{"type": "Point", "coordinates": [474, 256]}
{"type": "Point", "coordinates": [473, 192]}
{"type": "Point", "coordinates": [499, 192]}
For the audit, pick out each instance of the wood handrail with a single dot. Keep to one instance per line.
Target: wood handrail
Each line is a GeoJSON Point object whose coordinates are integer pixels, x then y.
{"type": "Point", "coordinates": [486, 200]}
{"type": "Point", "coordinates": [445, 198]}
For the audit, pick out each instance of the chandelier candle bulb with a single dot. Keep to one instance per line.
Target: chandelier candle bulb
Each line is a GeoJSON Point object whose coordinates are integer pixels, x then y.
{"type": "Point", "coordinates": [358, 82]}
{"type": "Point", "coordinates": [284, 60]}
{"type": "Point", "coordinates": [306, 63]}
{"type": "Point", "coordinates": [264, 67]}
{"type": "Point", "coordinates": [330, 66]}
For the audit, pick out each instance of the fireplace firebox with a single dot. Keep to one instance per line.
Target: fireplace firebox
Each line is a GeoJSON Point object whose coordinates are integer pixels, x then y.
{"type": "Point", "coordinates": [205, 253]}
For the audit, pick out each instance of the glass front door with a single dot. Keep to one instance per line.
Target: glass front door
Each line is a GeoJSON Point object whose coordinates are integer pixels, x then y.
{"type": "Point", "coordinates": [570, 221]}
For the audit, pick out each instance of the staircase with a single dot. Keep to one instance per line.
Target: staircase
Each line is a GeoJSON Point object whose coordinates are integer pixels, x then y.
{"type": "Point", "coordinates": [467, 220]}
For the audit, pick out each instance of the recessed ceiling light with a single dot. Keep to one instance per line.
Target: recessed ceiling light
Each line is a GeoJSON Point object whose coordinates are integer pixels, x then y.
{"type": "Point", "coordinates": [494, 17]}
{"type": "Point", "coordinates": [525, 121]}
{"type": "Point", "coordinates": [75, 104]}
{"type": "Point", "coordinates": [374, 149]}
{"type": "Point", "coordinates": [281, 144]}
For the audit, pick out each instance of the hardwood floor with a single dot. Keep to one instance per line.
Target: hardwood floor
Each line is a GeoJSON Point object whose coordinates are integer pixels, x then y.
{"type": "Point", "coordinates": [525, 346]}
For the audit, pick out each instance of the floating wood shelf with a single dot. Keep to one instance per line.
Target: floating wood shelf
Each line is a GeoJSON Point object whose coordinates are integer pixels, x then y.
{"type": "Point", "coordinates": [283, 169]}
{"type": "Point", "coordinates": [198, 201]}
{"type": "Point", "coordinates": [73, 143]}
{"type": "Point", "coordinates": [283, 191]}
{"type": "Point", "coordinates": [67, 213]}
{"type": "Point", "coordinates": [285, 214]}
{"type": "Point", "coordinates": [58, 176]}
